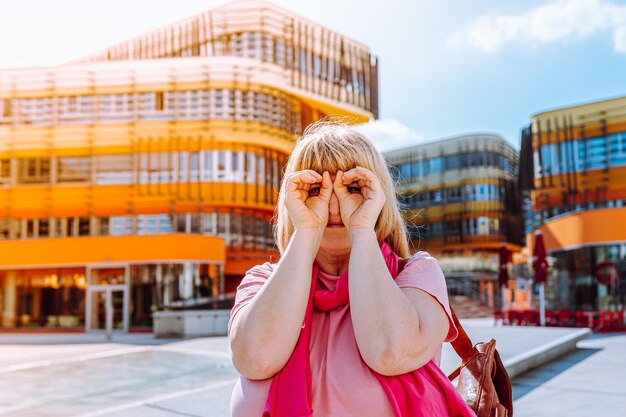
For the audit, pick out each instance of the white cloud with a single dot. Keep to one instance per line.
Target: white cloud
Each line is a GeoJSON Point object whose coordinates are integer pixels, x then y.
{"type": "Point", "coordinates": [560, 21]}
{"type": "Point", "coordinates": [388, 134]}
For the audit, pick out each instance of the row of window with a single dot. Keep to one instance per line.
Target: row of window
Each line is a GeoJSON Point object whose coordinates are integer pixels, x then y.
{"type": "Point", "coordinates": [535, 219]}
{"type": "Point", "coordinates": [147, 168]}
{"type": "Point", "coordinates": [420, 168]}
{"type": "Point", "coordinates": [469, 192]}
{"type": "Point", "coordinates": [207, 104]}
{"type": "Point", "coordinates": [267, 48]}
{"type": "Point", "coordinates": [478, 226]}
{"type": "Point", "coordinates": [580, 155]}
{"type": "Point", "coordinates": [237, 229]}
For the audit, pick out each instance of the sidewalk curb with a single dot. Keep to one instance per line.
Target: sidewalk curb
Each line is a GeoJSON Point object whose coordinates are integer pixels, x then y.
{"type": "Point", "coordinates": [541, 355]}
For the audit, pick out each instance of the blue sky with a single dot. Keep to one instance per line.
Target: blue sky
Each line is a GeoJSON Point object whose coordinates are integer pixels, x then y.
{"type": "Point", "coordinates": [447, 67]}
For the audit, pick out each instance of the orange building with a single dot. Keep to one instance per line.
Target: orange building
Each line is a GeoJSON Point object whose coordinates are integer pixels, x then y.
{"type": "Point", "coordinates": [181, 133]}
{"type": "Point", "coordinates": [573, 168]}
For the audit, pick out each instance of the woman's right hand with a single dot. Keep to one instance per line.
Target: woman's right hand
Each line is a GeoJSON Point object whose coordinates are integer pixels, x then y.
{"type": "Point", "coordinates": [308, 198]}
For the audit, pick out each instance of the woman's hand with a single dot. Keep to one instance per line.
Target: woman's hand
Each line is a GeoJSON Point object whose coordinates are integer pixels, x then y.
{"type": "Point", "coordinates": [361, 198]}
{"type": "Point", "coordinates": [307, 199]}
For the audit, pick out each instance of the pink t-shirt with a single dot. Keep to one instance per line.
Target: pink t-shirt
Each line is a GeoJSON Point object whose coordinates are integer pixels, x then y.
{"type": "Point", "coordinates": [342, 384]}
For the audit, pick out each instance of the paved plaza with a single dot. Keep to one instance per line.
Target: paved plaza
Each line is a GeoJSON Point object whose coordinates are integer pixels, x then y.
{"type": "Point", "coordinates": [137, 375]}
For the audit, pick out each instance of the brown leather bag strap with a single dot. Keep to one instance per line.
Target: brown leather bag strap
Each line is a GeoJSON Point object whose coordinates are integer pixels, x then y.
{"type": "Point", "coordinates": [462, 345]}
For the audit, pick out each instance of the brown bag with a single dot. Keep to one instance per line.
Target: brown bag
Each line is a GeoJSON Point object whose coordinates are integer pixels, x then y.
{"type": "Point", "coordinates": [483, 382]}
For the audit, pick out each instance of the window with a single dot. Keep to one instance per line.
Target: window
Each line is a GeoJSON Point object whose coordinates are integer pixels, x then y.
{"type": "Point", "coordinates": [154, 167]}
{"type": "Point", "coordinates": [537, 164]}
{"type": "Point", "coordinates": [208, 168]}
{"type": "Point", "coordinates": [224, 159]}
{"type": "Point", "coordinates": [149, 224]}
{"type": "Point", "coordinates": [596, 148]}
{"type": "Point", "coordinates": [250, 168]}
{"type": "Point", "coordinates": [113, 169]}
{"type": "Point", "coordinates": [84, 226]}
{"type": "Point", "coordinates": [435, 165]}
{"type": "Point", "coordinates": [5, 229]}
{"type": "Point", "coordinates": [73, 169]}
{"type": "Point", "coordinates": [405, 171]}
{"type": "Point", "coordinates": [5, 171]}
{"type": "Point", "coordinates": [454, 162]}
{"type": "Point", "coordinates": [33, 170]}
{"type": "Point", "coordinates": [482, 226]}
{"type": "Point", "coordinates": [43, 228]}
{"type": "Point", "coordinates": [121, 225]}
{"type": "Point", "coordinates": [6, 106]}
{"type": "Point", "coordinates": [617, 149]}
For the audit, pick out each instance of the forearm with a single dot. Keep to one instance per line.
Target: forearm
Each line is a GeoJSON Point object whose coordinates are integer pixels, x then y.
{"type": "Point", "coordinates": [386, 325]}
{"type": "Point", "coordinates": [264, 332]}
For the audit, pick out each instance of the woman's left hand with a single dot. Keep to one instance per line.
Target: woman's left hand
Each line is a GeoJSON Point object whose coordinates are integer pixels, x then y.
{"type": "Point", "coordinates": [361, 198]}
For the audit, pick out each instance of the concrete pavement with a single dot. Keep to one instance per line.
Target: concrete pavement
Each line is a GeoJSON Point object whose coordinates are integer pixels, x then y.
{"type": "Point", "coordinates": [139, 376]}
{"type": "Point", "coordinates": [589, 381]}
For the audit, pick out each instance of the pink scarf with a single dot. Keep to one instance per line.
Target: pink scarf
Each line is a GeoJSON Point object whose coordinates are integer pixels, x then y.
{"type": "Point", "coordinates": [425, 392]}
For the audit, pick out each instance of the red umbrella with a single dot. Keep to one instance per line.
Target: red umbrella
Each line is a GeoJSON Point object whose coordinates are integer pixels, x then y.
{"type": "Point", "coordinates": [503, 274]}
{"type": "Point", "coordinates": [540, 264]}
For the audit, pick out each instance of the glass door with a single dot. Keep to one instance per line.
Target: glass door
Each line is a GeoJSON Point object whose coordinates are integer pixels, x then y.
{"type": "Point", "coordinates": [101, 300]}
{"type": "Point", "coordinates": [107, 298]}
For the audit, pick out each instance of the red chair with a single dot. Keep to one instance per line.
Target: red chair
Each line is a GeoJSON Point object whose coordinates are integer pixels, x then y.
{"type": "Point", "coordinates": [530, 317]}
{"type": "Point", "coordinates": [552, 318]}
{"type": "Point", "coordinates": [580, 319]}
{"type": "Point", "coordinates": [565, 318]}
{"type": "Point", "coordinates": [515, 317]}
{"type": "Point", "coordinates": [499, 315]}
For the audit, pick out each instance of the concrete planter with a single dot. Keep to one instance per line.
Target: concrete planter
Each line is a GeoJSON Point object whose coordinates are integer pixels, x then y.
{"type": "Point", "coordinates": [191, 323]}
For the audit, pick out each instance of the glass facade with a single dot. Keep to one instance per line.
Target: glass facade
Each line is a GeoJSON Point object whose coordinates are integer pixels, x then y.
{"type": "Point", "coordinates": [238, 228]}
{"type": "Point", "coordinates": [450, 202]}
{"type": "Point", "coordinates": [590, 278]}
{"type": "Point", "coordinates": [277, 110]}
{"type": "Point", "coordinates": [416, 169]}
{"type": "Point", "coordinates": [581, 155]}
{"type": "Point", "coordinates": [260, 167]}
{"type": "Point", "coordinates": [448, 195]}
{"type": "Point", "coordinates": [56, 298]}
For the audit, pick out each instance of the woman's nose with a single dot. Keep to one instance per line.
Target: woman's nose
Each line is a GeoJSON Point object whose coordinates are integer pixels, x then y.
{"type": "Point", "coordinates": [333, 208]}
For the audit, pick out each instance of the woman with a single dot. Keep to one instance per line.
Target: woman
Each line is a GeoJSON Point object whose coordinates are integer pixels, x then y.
{"type": "Point", "coordinates": [310, 339]}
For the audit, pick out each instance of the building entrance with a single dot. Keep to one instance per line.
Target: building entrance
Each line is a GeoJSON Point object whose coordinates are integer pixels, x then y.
{"type": "Point", "coordinates": [107, 306]}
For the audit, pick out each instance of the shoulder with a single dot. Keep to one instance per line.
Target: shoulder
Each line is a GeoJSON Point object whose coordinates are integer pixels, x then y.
{"type": "Point", "coordinates": [263, 270]}
{"type": "Point", "coordinates": [422, 261]}
{"type": "Point", "coordinates": [422, 271]}
{"type": "Point", "coordinates": [256, 276]}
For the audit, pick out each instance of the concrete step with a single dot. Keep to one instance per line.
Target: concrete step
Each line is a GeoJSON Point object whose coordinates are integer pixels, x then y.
{"type": "Point", "coordinates": [465, 307]}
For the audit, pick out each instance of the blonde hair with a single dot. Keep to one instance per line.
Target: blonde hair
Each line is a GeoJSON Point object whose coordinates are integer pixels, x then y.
{"type": "Point", "coordinates": [332, 146]}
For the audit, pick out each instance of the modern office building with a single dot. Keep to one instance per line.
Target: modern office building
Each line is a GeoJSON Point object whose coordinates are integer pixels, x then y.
{"type": "Point", "coordinates": [462, 203]}
{"type": "Point", "coordinates": [573, 168]}
{"type": "Point", "coordinates": [181, 134]}
{"type": "Point", "coordinates": [461, 195]}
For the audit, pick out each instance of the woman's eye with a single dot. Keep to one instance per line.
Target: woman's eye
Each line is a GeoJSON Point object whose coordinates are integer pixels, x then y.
{"type": "Point", "coordinates": [354, 189]}
{"type": "Point", "coordinates": [314, 191]}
